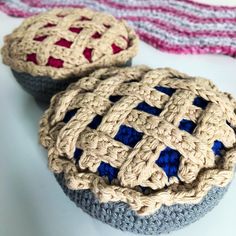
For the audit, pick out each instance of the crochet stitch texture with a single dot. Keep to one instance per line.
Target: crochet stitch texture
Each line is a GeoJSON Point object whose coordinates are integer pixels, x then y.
{"type": "Point", "coordinates": [69, 42]}
{"type": "Point", "coordinates": [176, 26]}
{"type": "Point", "coordinates": [146, 137]}
{"type": "Point", "coordinates": [119, 214]}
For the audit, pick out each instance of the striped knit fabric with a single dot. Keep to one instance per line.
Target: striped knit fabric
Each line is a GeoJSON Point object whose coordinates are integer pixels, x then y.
{"type": "Point", "coordinates": [177, 26]}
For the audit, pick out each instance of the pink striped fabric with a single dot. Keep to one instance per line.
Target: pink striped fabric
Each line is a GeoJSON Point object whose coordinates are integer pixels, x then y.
{"type": "Point", "coordinates": [177, 26]}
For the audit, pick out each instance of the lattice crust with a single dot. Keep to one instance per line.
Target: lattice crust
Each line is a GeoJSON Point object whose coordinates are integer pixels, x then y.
{"type": "Point", "coordinates": [165, 114]}
{"type": "Point", "coordinates": [69, 42]}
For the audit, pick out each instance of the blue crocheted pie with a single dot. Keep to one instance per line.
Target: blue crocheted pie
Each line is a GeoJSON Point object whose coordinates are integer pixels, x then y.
{"type": "Point", "coordinates": [152, 149]}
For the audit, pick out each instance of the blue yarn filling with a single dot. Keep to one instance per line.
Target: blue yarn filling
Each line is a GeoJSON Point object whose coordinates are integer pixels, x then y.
{"type": "Point", "coordinates": [77, 154]}
{"type": "Point", "coordinates": [115, 98]}
{"type": "Point", "coordinates": [169, 161]}
{"type": "Point", "coordinates": [168, 91]}
{"type": "Point", "coordinates": [69, 114]}
{"type": "Point", "coordinates": [143, 106]}
{"type": "Point", "coordinates": [200, 102]}
{"type": "Point", "coordinates": [95, 122]}
{"type": "Point", "coordinates": [217, 147]}
{"type": "Point", "coordinates": [107, 170]}
{"type": "Point", "coordinates": [187, 125]}
{"type": "Point", "coordinates": [143, 189]}
{"type": "Point", "coordinates": [128, 136]}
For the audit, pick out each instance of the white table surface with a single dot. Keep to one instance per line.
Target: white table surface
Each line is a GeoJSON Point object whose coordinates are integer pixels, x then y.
{"type": "Point", "coordinates": [31, 201]}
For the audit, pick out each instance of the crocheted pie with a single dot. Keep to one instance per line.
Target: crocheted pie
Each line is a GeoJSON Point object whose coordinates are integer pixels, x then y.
{"type": "Point", "coordinates": [50, 50]}
{"type": "Point", "coordinates": [152, 149]}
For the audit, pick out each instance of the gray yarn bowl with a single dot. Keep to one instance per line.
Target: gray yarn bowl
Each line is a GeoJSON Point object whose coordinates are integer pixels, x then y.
{"type": "Point", "coordinates": [42, 88]}
{"type": "Point", "coordinates": [120, 216]}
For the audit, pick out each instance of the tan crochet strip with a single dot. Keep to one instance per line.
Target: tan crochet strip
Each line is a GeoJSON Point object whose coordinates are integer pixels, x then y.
{"type": "Point", "coordinates": [199, 169]}
{"type": "Point", "coordinates": [22, 42]}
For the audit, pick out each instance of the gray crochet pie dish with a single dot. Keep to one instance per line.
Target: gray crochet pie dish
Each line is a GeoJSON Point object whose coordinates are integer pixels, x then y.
{"type": "Point", "coordinates": [42, 88]}
{"type": "Point", "coordinates": [144, 150]}
{"type": "Point", "coordinates": [167, 219]}
{"type": "Point", "coordinates": [49, 51]}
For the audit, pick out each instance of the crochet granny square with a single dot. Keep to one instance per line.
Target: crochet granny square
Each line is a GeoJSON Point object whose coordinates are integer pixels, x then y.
{"type": "Point", "coordinates": [152, 149]}
{"type": "Point", "coordinates": [50, 50]}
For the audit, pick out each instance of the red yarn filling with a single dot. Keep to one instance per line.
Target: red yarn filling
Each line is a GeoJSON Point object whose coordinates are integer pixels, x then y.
{"type": "Point", "coordinates": [88, 53]}
{"type": "Point", "coordinates": [123, 37]}
{"type": "Point", "coordinates": [53, 62]}
{"type": "Point", "coordinates": [64, 43]}
{"type": "Point", "coordinates": [83, 18]}
{"type": "Point", "coordinates": [129, 42]}
{"type": "Point", "coordinates": [116, 49]}
{"type": "Point", "coordinates": [107, 26]}
{"type": "Point", "coordinates": [40, 38]}
{"type": "Point", "coordinates": [96, 35]}
{"type": "Point", "coordinates": [61, 15]}
{"type": "Point", "coordinates": [75, 29]}
{"type": "Point", "coordinates": [32, 57]}
{"type": "Point", "coordinates": [49, 25]}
